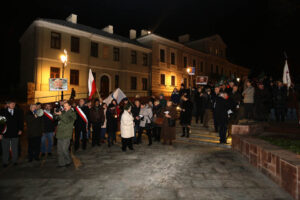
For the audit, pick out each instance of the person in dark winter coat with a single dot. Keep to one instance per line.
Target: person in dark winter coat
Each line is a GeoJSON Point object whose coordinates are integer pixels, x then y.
{"type": "Point", "coordinates": [292, 104]}
{"type": "Point", "coordinates": [34, 133]}
{"type": "Point", "coordinates": [221, 109]}
{"type": "Point", "coordinates": [186, 108]}
{"type": "Point", "coordinates": [280, 101]}
{"type": "Point", "coordinates": [157, 113]}
{"type": "Point", "coordinates": [112, 123]}
{"type": "Point", "coordinates": [162, 100]}
{"type": "Point", "coordinates": [175, 97]}
{"type": "Point", "coordinates": [261, 101]}
{"type": "Point", "coordinates": [208, 105]}
{"type": "Point", "coordinates": [81, 124]}
{"type": "Point", "coordinates": [48, 132]}
{"type": "Point", "coordinates": [135, 113]}
{"type": "Point", "coordinates": [168, 133]}
{"type": "Point", "coordinates": [215, 94]}
{"type": "Point", "coordinates": [199, 102]}
{"type": "Point", "coordinates": [96, 114]}
{"type": "Point", "coordinates": [10, 137]}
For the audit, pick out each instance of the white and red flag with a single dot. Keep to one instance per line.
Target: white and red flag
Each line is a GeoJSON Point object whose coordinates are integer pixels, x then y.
{"type": "Point", "coordinates": [286, 75]}
{"type": "Point", "coordinates": [91, 84]}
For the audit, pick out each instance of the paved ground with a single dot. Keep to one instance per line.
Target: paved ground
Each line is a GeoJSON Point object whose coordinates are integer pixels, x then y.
{"type": "Point", "coordinates": [181, 171]}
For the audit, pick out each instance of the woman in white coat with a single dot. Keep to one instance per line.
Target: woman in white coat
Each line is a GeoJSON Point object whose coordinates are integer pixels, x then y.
{"type": "Point", "coordinates": [127, 128]}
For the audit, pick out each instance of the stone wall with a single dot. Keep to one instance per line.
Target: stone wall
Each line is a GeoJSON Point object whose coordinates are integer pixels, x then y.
{"type": "Point", "coordinates": [280, 165]}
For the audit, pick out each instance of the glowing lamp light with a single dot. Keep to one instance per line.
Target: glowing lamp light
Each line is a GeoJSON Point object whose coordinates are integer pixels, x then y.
{"type": "Point", "coordinates": [63, 58]}
{"type": "Point", "coordinates": [149, 32]}
{"type": "Point", "coordinates": [238, 79]}
{"type": "Point", "coordinates": [188, 70]}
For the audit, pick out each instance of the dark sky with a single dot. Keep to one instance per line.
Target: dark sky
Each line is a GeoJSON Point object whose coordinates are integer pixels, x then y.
{"type": "Point", "coordinates": [257, 32]}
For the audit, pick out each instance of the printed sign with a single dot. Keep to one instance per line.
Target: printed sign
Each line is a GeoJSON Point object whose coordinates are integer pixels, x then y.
{"type": "Point", "coordinates": [58, 84]}
{"type": "Point", "coordinates": [201, 80]}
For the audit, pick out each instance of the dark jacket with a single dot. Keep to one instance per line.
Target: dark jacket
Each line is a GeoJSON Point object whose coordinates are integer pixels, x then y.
{"type": "Point", "coordinates": [49, 125]}
{"type": "Point", "coordinates": [96, 115]}
{"type": "Point", "coordinates": [135, 112]}
{"type": "Point", "coordinates": [280, 97]}
{"type": "Point", "coordinates": [221, 109]}
{"type": "Point", "coordinates": [112, 120]}
{"type": "Point", "coordinates": [14, 123]}
{"type": "Point", "coordinates": [186, 116]}
{"type": "Point", "coordinates": [35, 125]}
{"type": "Point", "coordinates": [207, 101]}
{"type": "Point", "coordinates": [175, 97]}
{"type": "Point", "coordinates": [79, 122]}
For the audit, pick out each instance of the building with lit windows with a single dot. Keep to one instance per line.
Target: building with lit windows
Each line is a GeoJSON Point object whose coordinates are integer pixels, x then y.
{"type": "Point", "coordinates": [144, 65]}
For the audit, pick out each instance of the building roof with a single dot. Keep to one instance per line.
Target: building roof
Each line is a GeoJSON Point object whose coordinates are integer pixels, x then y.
{"type": "Point", "coordinates": [89, 29]}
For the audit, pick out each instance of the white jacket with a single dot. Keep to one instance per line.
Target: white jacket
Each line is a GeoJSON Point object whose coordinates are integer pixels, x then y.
{"type": "Point", "coordinates": [127, 125]}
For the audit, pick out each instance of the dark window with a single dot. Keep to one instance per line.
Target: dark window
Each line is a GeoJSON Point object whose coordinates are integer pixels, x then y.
{"type": "Point", "coordinates": [201, 67]}
{"type": "Point", "coordinates": [163, 79]}
{"type": "Point", "coordinates": [75, 44]}
{"type": "Point", "coordinates": [145, 59]}
{"type": "Point", "coordinates": [54, 72]}
{"type": "Point", "coordinates": [74, 77]}
{"type": "Point", "coordinates": [173, 80]}
{"type": "Point", "coordinates": [144, 82]}
{"type": "Point", "coordinates": [173, 58]}
{"type": "Point", "coordinates": [162, 55]}
{"type": "Point", "coordinates": [116, 81]}
{"type": "Point", "coordinates": [194, 63]}
{"type": "Point", "coordinates": [185, 61]}
{"type": "Point", "coordinates": [212, 68]}
{"type": "Point", "coordinates": [217, 69]}
{"type": "Point", "coordinates": [55, 40]}
{"type": "Point", "coordinates": [133, 83]}
{"type": "Point", "coordinates": [133, 57]}
{"type": "Point", "coordinates": [116, 54]}
{"type": "Point", "coordinates": [94, 49]}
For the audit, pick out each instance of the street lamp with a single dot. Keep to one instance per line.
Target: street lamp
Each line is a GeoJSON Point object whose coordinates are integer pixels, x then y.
{"type": "Point", "coordinates": [64, 60]}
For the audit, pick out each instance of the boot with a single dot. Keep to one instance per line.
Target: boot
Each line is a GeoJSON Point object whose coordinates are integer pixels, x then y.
{"type": "Point", "coordinates": [188, 132]}
{"type": "Point", "coordinates": [183, 132]}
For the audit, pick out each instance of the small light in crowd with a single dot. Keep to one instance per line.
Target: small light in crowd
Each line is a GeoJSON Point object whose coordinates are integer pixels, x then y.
{"type": "Point", "coordinates": [188, 70]}
{"type": "Point", "coordinates": [238, 79]}
{"type": "Point", "coordinates": [149, 32]}
{"type": "Point", "coordinates": [178, 108]}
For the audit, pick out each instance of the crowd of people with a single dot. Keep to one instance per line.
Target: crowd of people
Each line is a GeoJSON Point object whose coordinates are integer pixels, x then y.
{"type": "Point", "coordinates": [75, 125]}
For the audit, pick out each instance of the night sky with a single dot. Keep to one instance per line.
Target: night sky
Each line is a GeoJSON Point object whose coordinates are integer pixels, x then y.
{"type": "Point", "coordinates": [256, 32]}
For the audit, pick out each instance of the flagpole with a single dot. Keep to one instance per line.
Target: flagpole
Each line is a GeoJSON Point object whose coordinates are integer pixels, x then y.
{"type": "Point", "coordinates": [98, 93]}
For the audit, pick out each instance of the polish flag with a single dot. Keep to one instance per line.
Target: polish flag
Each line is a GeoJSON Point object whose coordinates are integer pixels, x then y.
{"type": "Point", "coordinates": [91, 84]}
{"type": "Point", "coordinates": [286, 75]}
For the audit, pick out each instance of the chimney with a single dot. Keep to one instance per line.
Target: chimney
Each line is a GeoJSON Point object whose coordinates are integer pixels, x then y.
{"type": "Point", "coordinates": [72, 18]}
{"type": "Point", "coordinates": [132, 34]}
{"type": "Point", "coordinates": [184, 38]}
{"type": "Point", "coordinates": [145, 32]}
{"type": "Point", "coordinates": [109, 29]}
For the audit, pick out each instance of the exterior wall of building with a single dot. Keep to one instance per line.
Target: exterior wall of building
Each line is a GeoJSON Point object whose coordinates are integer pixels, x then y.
{"type": "Point", "coordinates": [45, 57]}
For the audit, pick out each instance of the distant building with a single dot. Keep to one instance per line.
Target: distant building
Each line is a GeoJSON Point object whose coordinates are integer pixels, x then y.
{"type": "Point", "coordinates": [149, 64]}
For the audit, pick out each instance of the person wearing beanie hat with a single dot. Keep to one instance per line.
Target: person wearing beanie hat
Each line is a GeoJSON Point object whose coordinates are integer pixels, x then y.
{"type": "Point", "coordinates": [127, 128]}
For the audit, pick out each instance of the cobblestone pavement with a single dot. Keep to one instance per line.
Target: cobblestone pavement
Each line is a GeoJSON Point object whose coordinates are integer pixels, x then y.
{"type": "Point", "coordinates": [182, 171]}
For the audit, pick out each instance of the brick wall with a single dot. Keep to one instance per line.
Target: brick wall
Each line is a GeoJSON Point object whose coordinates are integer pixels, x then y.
{"type": "Point", "coordinates": [282, 166]}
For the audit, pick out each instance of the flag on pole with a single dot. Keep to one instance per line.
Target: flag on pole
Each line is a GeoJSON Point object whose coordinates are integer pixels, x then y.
{"type": "Point", "coordinates": [117, 95]}
{"type": "Point", "coordinates": [286, 75]}
{"type": "Point", "coordinates": [91, 84]}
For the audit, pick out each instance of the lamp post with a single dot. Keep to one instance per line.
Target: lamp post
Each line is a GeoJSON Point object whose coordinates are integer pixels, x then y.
{"type": "Point", "coordinates": [189, 70]}
{"type": "Point", "coordinates": [64, 59]}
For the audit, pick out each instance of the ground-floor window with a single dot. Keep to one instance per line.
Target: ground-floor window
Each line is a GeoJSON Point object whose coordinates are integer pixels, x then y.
{"type": "Point", "coordinates": [54, 72]}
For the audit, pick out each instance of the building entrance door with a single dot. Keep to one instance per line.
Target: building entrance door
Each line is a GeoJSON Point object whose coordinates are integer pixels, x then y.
{"type": "Point", "coordinates": [104, 86]}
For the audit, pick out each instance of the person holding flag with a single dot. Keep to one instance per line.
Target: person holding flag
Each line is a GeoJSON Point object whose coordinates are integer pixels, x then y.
{"type": "Point", "coordinates": [81, 124]}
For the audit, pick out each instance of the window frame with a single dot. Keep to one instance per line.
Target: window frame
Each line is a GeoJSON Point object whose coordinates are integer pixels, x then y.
{"type": "Point", "coordinates": [133, 57]}
{"type": "Point", "coordinates": [162, 56]}
{"type": "Point", "coordinates": [133, 86]}
{"type": "Point", "coordinates": [94, 48]}
{"type": "Point", "coordinates": [55, 73]}
{"type": "Point", "coordinates": [163, 79]}
{"type": "Point", "coordinates": [116, 54]}
{"type": "Point", "coordinates": [144, 84]}
{"type": "Point", "coordinates": [75, 41]}
{"type": "Point", "coordinates": [76, 77]}
{"type": "Point", "coordinates": [55, 42]}
{"type": "Point", "coordinates": [173, 80]}
{"type": "Point", "coordinates": [173, 58]}
{"type": "Point", "coordinates": [145, 59]}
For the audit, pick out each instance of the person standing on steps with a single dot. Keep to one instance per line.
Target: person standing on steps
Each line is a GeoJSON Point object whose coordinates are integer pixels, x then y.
{"type": "Point", "coordinates": [112, 122]}
{"type": "Point", "coordinates": [97, 119]}
{"type": "Point", "coordinates": [186, 109]}
{"type": "Point", "coordinates": [222, 107]}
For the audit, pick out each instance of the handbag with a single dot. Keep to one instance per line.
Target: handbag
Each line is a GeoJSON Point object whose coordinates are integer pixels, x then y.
{"type": "Point", "coordinates": [159, 120]}
{"type": "Point", "coordinates": [172, 122]}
